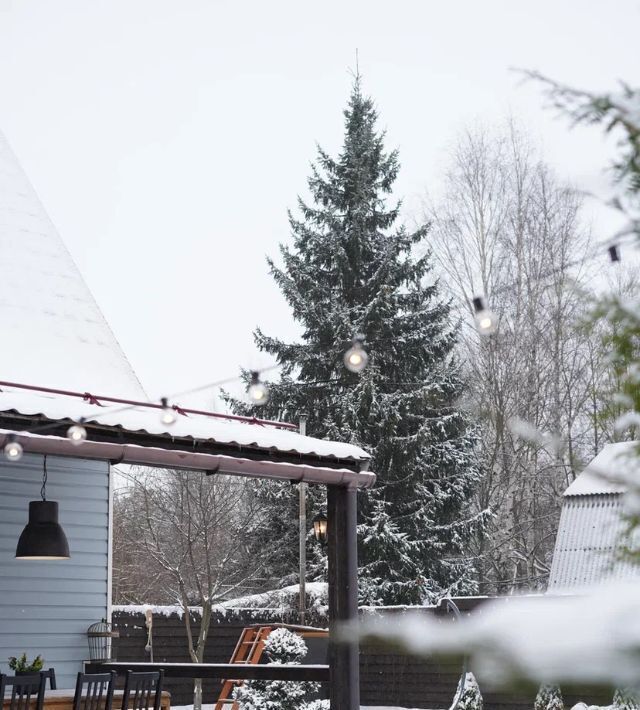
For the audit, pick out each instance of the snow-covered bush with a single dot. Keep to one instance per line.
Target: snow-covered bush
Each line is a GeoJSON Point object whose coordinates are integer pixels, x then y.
{"type": "Point", "coordinates": [625, 699]}
{"type": "Point", "coordinates": [549, 697]}
{"type": "Point", "coordinates": [281, 646]}
{"type": "Point", "coordinates": [471, 698]}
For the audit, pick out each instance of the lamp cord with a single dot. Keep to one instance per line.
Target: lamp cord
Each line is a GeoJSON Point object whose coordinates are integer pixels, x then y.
{"type": "Point", "coordinates": [43, 490]}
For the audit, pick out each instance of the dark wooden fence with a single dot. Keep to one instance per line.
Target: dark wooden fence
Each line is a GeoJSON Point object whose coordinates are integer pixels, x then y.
{"type": "Point", "coordinates": [386, 678]}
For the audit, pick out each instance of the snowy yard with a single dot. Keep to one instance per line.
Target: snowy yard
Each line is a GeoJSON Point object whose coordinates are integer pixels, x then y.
{"type": "Point", "coordinates": [362, 707]}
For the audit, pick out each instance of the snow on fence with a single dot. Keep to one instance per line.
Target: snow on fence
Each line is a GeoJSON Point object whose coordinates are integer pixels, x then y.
{"type": "Point", "coordinates": [386, 678]}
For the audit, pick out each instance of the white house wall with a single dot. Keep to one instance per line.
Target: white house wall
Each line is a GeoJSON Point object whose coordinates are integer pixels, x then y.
{"type": "Point", "coordinates": [46, 607]}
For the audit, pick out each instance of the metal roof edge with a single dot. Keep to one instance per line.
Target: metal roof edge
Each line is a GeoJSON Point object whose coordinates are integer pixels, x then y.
{"type": "Point", "coordinates": [208, 463]}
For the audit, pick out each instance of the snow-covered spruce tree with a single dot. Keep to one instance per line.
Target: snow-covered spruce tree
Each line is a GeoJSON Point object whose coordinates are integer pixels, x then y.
{"type": "Point", "coordinates": [549, 697]}
{"type": "Point", "coordinates": [281, 646]}
{"type": "Point", "coordinates": [352, 269]}
{"type": "Point", "coordinates": [471, 698]}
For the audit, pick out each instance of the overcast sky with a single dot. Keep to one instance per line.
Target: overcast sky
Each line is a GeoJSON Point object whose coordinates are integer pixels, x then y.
{"type": "Point", "coordinates": [168, 139]}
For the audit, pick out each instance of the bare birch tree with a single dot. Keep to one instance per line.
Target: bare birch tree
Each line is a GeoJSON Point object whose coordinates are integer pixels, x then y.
{"type": "Point", "coordinates": [187, 535]}
{"type": "Point", "coordinates": [508, 229]}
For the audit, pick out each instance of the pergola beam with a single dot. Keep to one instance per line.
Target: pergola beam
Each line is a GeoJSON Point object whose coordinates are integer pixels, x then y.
{"type": "Point", "coordinates": [298, 673]}
{"type": "Point", "coordinates": [155, 456]}
{"type": "Point", "coordinates": [344, 668]}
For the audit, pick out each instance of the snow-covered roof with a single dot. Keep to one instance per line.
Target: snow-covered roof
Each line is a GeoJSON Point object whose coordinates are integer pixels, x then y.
{"type": "Point", "coordinates": [198, 427]}
{"type": "Point", "coordinates": [54, 332]}
{"type": "Point", "coordinates": [603, 475]}
{"type": "Point", "coordinates": [286, 597]}
{"type": "Point", "coordinates": [590, 532]}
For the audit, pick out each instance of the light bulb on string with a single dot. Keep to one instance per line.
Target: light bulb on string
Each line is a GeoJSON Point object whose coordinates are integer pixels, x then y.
{"type": "Point", "coordinates": [486, 321]}
{"type": "Point", "coordinates": [614, 253]}
{"type": "Point", "coordinates": [258, 392]}
{"type": "Point", "coordinates": [76, 433]}
{"type": "Point", "coordinates": [356, 358]}
{"type": "Point", "coordinates": [168, 415]}
{"type": "Point", "coordinates": [13, 449]}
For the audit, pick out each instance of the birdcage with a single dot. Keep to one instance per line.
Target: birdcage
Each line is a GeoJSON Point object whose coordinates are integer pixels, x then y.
{"type": "Point", "coordinates": [100, 638]}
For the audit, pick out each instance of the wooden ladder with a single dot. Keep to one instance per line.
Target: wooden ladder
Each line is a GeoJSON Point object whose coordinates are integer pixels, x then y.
{"type": "Point", "coordinates": [248, 650]}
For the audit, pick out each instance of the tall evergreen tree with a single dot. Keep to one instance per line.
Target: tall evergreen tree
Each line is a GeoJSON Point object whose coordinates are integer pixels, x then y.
{"type": "Point", "coordinates": [352, 269]}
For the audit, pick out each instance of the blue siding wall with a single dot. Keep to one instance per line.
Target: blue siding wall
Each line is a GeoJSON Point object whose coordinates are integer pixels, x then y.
{"type": "Point", "coordinates": [46, 607]}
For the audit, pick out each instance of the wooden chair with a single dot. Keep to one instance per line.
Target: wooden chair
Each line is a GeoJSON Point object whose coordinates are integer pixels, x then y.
{"type": "Point", "coordinates": [94, 691]}
{"type": "Point", "coordinates": [51, 675]}
{"type": "Point", "coordinates": [27, 690]}
{"type": "Point", "coordinates": [138, 689]}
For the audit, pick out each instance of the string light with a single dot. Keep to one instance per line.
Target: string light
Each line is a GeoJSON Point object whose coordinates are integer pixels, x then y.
{"type": "Point", "coordinates": [13, 449]}
{"type": "Point", "coordinates": [614, 253]}
{"type": "Point", "coordinates": [76, 433]}
{"type": "Point", "coordinates": [485, 319]}
{"type": "Point", "coordinates": [168, 415]}
{"type": "Point", "coordinates": [257, 390]}
{"type": "Point", "coordinates": [356, 358]}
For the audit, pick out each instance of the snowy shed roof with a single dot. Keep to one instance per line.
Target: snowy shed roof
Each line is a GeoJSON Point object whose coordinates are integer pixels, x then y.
{"type": "Point", "coordinates": [59, 337]}
{"type": "Point", "coordinates": [212, 427]}
{"type": "Point", "coordinates": [205, 441]}
{"type": "Point", "coordinates": [591, 526]}
{"type": "Point", "coordinates": [614, 462]}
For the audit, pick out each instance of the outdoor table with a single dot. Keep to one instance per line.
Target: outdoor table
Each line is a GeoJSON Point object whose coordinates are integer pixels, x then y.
{"type": "Point", "coordinates": [62, 699]}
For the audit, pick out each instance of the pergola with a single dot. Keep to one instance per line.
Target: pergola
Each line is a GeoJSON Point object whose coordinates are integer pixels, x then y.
{"type": "Point", "coordinates": [131, 432]}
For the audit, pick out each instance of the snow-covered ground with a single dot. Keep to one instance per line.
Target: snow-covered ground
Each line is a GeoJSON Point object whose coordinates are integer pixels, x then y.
{"type": "Point", "coordinates": [363, 707]}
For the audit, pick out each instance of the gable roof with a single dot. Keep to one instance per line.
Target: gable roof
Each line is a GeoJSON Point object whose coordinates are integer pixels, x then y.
{"type": "Point", "coordinates": [58, 335]}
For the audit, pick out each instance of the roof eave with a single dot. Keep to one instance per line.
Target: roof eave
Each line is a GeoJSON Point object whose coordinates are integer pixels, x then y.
{"type": "Point", "coordinates": [16, 422]}
{"type": "Point", "coordinates": [238, 465]}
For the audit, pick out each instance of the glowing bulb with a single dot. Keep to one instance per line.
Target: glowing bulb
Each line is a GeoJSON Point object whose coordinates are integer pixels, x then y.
{"type": "Point", "coordinates": [486, 322]}
{"type": "Point", "coordinates": [13, 449]}
{"type": "Point", "coordinates": [76, 434]}
{"type": "Point", "coordinates": [258, 392]}
{"type": "Point", "coordinates": [356, 358]}
{"type": "Point", "coordinates": [168, 415]}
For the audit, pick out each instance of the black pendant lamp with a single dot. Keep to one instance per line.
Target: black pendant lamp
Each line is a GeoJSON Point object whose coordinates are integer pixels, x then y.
{"type": "Point", "coordinates": [43, 538]}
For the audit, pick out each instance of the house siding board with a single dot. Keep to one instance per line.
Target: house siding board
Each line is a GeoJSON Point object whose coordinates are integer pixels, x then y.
{"type": "Point", "coordinates": [46, 607]}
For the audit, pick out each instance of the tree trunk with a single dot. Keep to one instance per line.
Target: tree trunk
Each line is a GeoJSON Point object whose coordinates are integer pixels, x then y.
{"type": "Point", "coordinates": [197, 694]}
{"type": "Point", "coordinates": [199, 650]}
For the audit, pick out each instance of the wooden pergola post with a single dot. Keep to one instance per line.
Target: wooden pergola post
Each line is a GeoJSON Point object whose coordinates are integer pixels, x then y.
{"type": "Point", "coordinates": [344, 671]}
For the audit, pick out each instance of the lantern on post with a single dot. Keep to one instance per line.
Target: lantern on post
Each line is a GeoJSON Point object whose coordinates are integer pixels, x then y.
{"type": "Point", "coordinates": [100, 635]}
{"type": "Point", "coordinates": [320, 528]}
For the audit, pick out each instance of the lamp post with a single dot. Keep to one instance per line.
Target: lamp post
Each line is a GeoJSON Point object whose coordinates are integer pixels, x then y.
{"type": "Point", "coordinates": [302, 536]}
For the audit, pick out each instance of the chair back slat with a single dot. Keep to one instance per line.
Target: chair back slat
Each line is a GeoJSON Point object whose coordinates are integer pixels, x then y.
{"type": "Point", "coordinates": [142, 691]}
{"type": "Point", "coordinates": [50, 673]}
{"type": "Point", "coordinates": [27, 691]}
{"type": "Point", "coordinates": [94, 691]}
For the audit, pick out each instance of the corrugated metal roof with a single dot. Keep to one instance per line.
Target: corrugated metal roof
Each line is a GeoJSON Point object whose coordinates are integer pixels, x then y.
{"type": "Point", "coordinates": [54, 334]}
{"type": "Point", "coordinates": [590, 534]}
{"type": "Point", "coordinates": [199, 427]}
{"type": "Point", "coordinates": [607, 471]}
{"type": "Point", "coordinates": [588, 544]}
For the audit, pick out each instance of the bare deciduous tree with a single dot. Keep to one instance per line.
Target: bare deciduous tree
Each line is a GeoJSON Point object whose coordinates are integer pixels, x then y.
{"type": "Point", "coordinates": [507, 228]}
{"type": "Point", "coordinates": [183, 536]}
